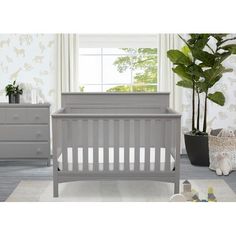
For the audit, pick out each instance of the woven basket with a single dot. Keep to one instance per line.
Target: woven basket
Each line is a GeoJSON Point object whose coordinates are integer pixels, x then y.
{"type": "Point", "coordinates": [222, 143]}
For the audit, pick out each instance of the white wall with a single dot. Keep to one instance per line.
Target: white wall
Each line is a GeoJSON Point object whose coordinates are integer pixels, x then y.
{"type": "Point", "coordinates": [30, 59]}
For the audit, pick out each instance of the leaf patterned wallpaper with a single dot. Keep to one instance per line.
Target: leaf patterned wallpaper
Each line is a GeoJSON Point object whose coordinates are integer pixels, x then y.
{"type": "Point", "coordinates": [30, 59]}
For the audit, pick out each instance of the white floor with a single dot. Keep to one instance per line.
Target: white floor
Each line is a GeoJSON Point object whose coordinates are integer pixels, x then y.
{"type": "Point", "coordinates": [115, 191]}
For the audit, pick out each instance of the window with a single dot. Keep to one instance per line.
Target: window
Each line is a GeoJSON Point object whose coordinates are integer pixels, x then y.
{"type": "Point", "coordinates": [118, 69]}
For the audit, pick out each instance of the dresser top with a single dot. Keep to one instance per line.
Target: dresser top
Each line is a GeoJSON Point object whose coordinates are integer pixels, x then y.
{"type": "Point", "coordinates": [7, 105]}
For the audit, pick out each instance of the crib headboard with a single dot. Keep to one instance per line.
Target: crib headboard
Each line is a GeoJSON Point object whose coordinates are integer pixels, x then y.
{"type": "Point", "coordinates": [115, 102]}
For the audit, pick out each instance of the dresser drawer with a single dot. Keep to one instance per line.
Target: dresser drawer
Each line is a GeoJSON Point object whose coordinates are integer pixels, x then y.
{"type": "Point", "coordinates": [24, 132]}
{"type": "Point", "coordinates": [38, 115]}
{"type": "Point", "coordinates": [26, 116]}
{"type": "Point", "coordinates": [24, 150]}
{"type": "Point", "coordinates": [15, 115]}
{"type": "Point", "coordinates": [2, 115]}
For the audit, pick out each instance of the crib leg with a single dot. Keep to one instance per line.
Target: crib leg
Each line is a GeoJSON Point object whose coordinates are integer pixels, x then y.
{"type": "Point", "coordinates": [55, 188]}
{"type": "Point", "coordinates": [176, 188]}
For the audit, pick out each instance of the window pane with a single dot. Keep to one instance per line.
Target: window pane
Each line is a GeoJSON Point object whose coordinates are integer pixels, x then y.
{"type": "Point", "coordinates": [146, 51]}
{"type": "Point", "coordinates": [118, 69]}
{"type": "Point", "coordinates": [144, 88]}
{"type": "Point", "coordinates": [115, 51]}
{"type": "Point", "coordinates": [145, 69]}
{"type": "Point", "coordinates": [90, 88]}
{"type": "Point", "coordinates": [90, 51]}
{"type": "Point", "coordinates": [90, 70]}
{"type": "Point", "coordinates": [114, 72]}
{"type": "Point", "coordinates": [116, 88]}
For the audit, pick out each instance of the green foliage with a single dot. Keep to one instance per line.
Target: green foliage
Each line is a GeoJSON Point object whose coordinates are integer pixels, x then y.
{"type": "Point", "coordinates": [214, 74]}
{"type": "Point", "coordinates": [143, 64]}
{"type": "Point", "coordinates": [134, 88]}
{"type": "Point", "coordinates": [230, 47]}
{"type": "Point", "coordinates": [13, 89]}
{"type": "Point", "coordinates": [182, 72]}
{"type": "Point", "coordinates": [217, 98]}
{"type": "Point", "coordinates": [185, 84]}
{"type": "Point", "coordinates": [178, 57]}
{"type": "Point", "coordinates": [206, 58]}
{"type": "Point", "coordinates": [203, 68]}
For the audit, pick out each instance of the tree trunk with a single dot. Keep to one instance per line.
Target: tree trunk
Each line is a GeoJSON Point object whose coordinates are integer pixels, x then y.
{"type": "Point", "coordinates": [205, 114]}
{"type": "Point", "coordinates": [198, 110]}
{"type": "Point", "coordinates": [193, 107]}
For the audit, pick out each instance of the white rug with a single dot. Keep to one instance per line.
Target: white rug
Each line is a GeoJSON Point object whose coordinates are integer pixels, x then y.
{"type": "Point", "coordinates": [115, 191]}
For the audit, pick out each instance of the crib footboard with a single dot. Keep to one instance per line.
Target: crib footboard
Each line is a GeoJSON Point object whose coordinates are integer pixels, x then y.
{"type": "Point", "coordinates": [116, 147]}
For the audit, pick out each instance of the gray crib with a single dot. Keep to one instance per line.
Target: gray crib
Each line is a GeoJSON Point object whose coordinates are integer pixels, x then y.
{"type": "Point", "coordinates": [115, 136]}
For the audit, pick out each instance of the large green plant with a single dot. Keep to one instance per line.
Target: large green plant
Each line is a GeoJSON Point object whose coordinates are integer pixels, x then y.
{"type": "Point", "coordinates": [199, 65]}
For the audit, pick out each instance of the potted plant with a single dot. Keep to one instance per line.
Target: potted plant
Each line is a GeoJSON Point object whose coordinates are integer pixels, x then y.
{"type": "Point", "coordinates": [199, 66]}
{"type": "Point", "coordinates": [13, 92]}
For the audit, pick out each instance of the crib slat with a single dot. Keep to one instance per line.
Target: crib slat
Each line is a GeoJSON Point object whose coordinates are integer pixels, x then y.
{"type": "Point", "coordinates": [75, 145]}
{"type": "Point", "coordinates": [167, 145]}
{"type": "Point", "coordinates": [147, 145]}
{"type": "Point", "coordinates": [95, 145]}
{"type": "Point", "coordinates": [173, 142]}
{"type": "Point", "coordinates": [126, 145]}
{"type": "Point", "coordinates": [137, 145]}
{"type": "Point", "coordinates": [85, 145]}
{"type": "Point", "coordinates": [106, 145]}
{"type": "Point", "coordinates": [116, 145]}
{"type": "Point", "coordinates": [64, 145]}
{"type": "Point", "coordinates": [158, 136]}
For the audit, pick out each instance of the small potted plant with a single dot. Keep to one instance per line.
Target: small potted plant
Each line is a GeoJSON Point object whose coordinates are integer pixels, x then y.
{"type": "Point", "coordinates": [13, 92]}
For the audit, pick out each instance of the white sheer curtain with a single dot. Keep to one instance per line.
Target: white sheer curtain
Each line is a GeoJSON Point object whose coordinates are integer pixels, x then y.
{"type": "Point", "coordinates": [67, 64]}
{"type": "Point", "coordinates": [166, 76]}
{"type": "Point", "coordinates": [68, 57]}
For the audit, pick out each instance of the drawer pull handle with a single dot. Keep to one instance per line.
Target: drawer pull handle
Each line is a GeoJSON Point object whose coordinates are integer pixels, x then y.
{"type": "Point", "coordinates": [38, 134]}
{"type": "Point", "coordinates": [39, 151]}
{"type": "Point", "coordinates": [15, 117]}
{"type": "Point", "coordinates": [36, 117]}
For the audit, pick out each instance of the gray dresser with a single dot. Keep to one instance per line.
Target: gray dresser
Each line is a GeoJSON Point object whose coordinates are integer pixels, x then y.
{"type": "Point", "coordinates": [25, 131]}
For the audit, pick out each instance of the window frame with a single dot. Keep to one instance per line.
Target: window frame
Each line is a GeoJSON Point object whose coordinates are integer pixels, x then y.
{"type": "Point", "coordinates": [102, 84]}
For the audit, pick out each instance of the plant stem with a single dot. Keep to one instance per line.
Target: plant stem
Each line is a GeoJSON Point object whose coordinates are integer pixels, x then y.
{"type": "Point", "coordinates": [210, 48]}
{"type": "Point", "coordinates": [205, 114]}
{"type": "Point", "coordinates": [224, 41]}
{"type": "Point", "coordinates": [184, 40]}
{"type": "Point", "coordinates": [193, 106]}
{"type": "Point", "coordinates": [198, 110]}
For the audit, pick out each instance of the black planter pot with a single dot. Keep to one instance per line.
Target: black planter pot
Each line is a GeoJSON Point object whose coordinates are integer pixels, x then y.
{"type": "Point", "coordinates": [197, 149]}
{"type": "Point", "coordinates": [14, 98]}
{"type": "Point", "coordinates": [17, 98]}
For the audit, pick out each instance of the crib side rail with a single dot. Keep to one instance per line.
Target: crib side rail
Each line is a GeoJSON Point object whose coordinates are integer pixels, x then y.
{"type": "Point", "coordinates": [116, 143]}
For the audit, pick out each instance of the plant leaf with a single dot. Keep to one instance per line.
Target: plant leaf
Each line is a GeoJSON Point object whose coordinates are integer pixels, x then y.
{"type": "Point", "coordinates": [230, 47]}
{"type": "Point", "coordinates": [180, 70]}
{"type": "Point", "coordinates": [207, 58]}
{"type": "Point", "coordinates": [177, 57]}
{"type": "Point", "coordinates": [215, 73]}
{"type": "Point", "coordinates": [186, 51]}
{"type": "Point", "coordinates": [185, 83]}
{"type": "Point", "coordinates": [195, 70]}
{"type": "Point", "coordinates": [202, 86]}
{"type": "Point", "coordinates": [223, 56]}
{"type": "Point", "coordinates": [201, 43]}
{"type": "Point", "coordinates": [217, 97]}
{"type": "Point", "coordinates": [219, 37]}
